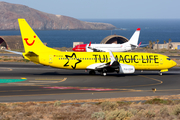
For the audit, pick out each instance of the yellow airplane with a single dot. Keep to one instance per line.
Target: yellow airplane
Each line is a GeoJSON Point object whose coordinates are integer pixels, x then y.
{"type": "Point", "coordinates": [103, 62]}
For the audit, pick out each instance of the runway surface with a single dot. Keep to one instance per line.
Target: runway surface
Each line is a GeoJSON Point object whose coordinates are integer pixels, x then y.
{"type": "Point", "coordinates": [42, 83]}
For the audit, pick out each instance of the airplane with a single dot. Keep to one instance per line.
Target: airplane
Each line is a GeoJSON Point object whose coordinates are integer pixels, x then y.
{"type": "Point", "coordinates": [103, 62]}
{"type": "Point", "coordinates": [127, 46]}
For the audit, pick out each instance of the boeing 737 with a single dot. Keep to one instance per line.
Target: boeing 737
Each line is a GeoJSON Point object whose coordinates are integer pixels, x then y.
{"type": "Point", "coordinates": [103, 62]}
{"type": "Point", "coordinates": [127, 46]}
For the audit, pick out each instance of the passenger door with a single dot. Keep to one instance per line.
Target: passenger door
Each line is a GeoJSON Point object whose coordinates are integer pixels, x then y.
{"type": "Point", "coordinates": [50, 59]}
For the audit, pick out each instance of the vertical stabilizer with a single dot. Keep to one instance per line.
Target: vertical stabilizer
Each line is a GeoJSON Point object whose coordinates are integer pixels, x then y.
{"type": "Point", "coordinates": [135, 37]}
{"type": "Point", "coordinates": [31, 41]}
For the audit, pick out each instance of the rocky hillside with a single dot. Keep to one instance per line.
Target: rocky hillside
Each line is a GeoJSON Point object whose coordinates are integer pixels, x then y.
{"type": "Point", "coordinates": [42, 21]}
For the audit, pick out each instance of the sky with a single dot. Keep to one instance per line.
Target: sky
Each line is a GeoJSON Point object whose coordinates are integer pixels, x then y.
{"type": "Point", "coordinates": [107, 9]}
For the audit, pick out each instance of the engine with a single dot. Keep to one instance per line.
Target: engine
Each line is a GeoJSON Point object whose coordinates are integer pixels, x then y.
{"type": "Point", "coordinates": [126, 69]}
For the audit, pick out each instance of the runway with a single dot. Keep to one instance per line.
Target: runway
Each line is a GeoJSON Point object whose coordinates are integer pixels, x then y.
{"type": "Point", "coordinates": [42, 83]}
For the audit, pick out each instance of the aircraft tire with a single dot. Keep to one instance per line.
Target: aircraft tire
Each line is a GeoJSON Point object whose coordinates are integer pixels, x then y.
{"type": "Point", "coordinates": [104, 73]}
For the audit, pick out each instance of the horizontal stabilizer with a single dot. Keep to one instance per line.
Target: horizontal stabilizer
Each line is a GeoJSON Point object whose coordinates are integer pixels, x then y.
{"type": "Point", "coordinates": [20, 53]}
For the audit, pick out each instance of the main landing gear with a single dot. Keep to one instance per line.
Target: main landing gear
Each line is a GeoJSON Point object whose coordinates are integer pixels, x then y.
{"type": "Point", "coordinates": [92, 72]}
{"type": "Point", "coordinates": [104, 72]}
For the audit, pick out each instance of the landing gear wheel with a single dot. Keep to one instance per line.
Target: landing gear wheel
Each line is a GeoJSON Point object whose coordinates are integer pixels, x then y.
{"type": "Point", "coordinates": [104, 73]}
{"type": "Point", "coordinates": [92, 72]}
{"type": "Point", "coordinates": [160, 73]}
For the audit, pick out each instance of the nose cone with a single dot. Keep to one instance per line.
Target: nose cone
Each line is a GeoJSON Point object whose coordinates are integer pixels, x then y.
{"type": "Point", "coordinates": [173, 63]}
{"type": "Point", "coordinates": [74, 49]}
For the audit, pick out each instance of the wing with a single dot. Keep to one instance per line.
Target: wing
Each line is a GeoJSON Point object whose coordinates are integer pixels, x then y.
{"type": "Point", "coordinates": [112, 66]}
{"type": "Point", "coordinates": [95, 49]}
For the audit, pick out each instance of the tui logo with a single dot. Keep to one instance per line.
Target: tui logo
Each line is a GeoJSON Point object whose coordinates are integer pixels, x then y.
{"type": "Point", "coordinates": [29, 44]}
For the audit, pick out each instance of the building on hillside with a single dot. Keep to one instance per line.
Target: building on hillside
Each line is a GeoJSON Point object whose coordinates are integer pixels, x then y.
{"type": "Point", "coordinates": [77, 43]}
{"type": "Point", "coordinates": [172, 46]}
{"type": "Point", "coordinates": [115, 39]}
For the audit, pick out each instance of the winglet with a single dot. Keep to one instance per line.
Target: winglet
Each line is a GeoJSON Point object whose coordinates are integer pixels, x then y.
{"type": "Point", "coordinates": [113, 59]}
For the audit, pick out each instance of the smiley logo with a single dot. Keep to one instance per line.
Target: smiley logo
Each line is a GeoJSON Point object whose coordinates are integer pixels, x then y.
{"type": "Point", "coordinates": [29, 44]}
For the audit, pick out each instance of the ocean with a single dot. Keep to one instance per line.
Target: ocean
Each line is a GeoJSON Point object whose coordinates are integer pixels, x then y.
{"type": "Point", "coordinates": [151, 29]}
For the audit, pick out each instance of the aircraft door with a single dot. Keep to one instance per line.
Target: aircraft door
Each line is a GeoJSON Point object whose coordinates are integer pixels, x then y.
{"type": "Point", "coordinates": [161, 60]}
{"type": "Point", "coordinates": [124, 46]}
{"type": "Point", "coordinates": [50, 59]}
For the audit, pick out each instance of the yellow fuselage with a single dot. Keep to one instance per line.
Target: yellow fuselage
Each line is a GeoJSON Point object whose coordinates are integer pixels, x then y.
{"type": "Point", "coordinates": [81, 60]}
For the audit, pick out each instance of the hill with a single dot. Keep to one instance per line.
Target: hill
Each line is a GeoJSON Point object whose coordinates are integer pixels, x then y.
{"type": "Point", "coordinates": [43, 21]}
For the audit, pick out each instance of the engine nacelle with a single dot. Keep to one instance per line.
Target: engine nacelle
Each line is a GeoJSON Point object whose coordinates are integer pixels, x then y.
{"type": "Point", "coordinates": [126, 69]}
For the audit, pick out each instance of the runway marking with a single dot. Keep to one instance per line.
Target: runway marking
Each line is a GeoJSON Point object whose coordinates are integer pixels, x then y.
{"type": "Point", "coordinates": [23, 90]}
{"type": "Point", "coordinates": [51, 80]}
{"type": "Point", "coordinates": [43, 81]}
{"type": "Point", "coordinates": [11, 80]}
{"type": "Point", "coordinates": [5, 69]}
{"type": "Point", "coordinates": [159, 82]}
{"type": "Point", "coordinates": [48, 79]}
{"type": "Point", "coordinates": [78, 88]}
{"type": "Point", "coordinates": [38, 83]}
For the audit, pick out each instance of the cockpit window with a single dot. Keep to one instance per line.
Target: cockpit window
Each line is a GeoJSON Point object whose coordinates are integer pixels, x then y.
{"type": "Point", "coordinates": [168, 59]}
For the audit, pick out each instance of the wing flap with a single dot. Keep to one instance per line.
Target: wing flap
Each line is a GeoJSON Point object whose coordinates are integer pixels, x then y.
{"type": "Point", "coordinates": [96, 66]}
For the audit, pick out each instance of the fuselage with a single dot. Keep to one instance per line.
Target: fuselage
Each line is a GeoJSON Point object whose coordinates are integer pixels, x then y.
{"type": "Point", "coordinates": [103, 62]}
{"type": "Point", "coordinates": [81, 60]}
{"type": "Point", "coordinates": [113, 47]}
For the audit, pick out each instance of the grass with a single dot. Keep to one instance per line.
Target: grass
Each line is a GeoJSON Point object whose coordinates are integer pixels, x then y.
{"type": "Point", "coordinates": [158, 101]}
{"type": "Point", "coordinates": [151, 109]}
{"type": "Point", "coordinates": [57, 103]}
{"type": "Point", "coordinates": [12, 59]}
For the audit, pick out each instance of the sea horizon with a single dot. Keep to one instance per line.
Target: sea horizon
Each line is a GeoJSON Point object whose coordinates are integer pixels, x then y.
{"type": "Point", "coordinates": [151, 29]}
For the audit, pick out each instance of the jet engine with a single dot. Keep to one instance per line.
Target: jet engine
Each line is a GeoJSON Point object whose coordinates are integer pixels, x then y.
{"type": "Point", "coordinates": [125, 69]}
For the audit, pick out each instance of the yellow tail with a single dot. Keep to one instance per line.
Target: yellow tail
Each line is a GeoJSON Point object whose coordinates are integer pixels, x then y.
{"type": "Point", "coordinates": [31, 41]}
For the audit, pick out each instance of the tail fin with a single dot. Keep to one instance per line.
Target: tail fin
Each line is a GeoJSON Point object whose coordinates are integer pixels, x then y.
{"type": "Point", "coordinates": [139, 44]}
{"type": "Point", "coordinates": [134, 39]}
{"type": "Point", "coordinates": [31, 41]}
